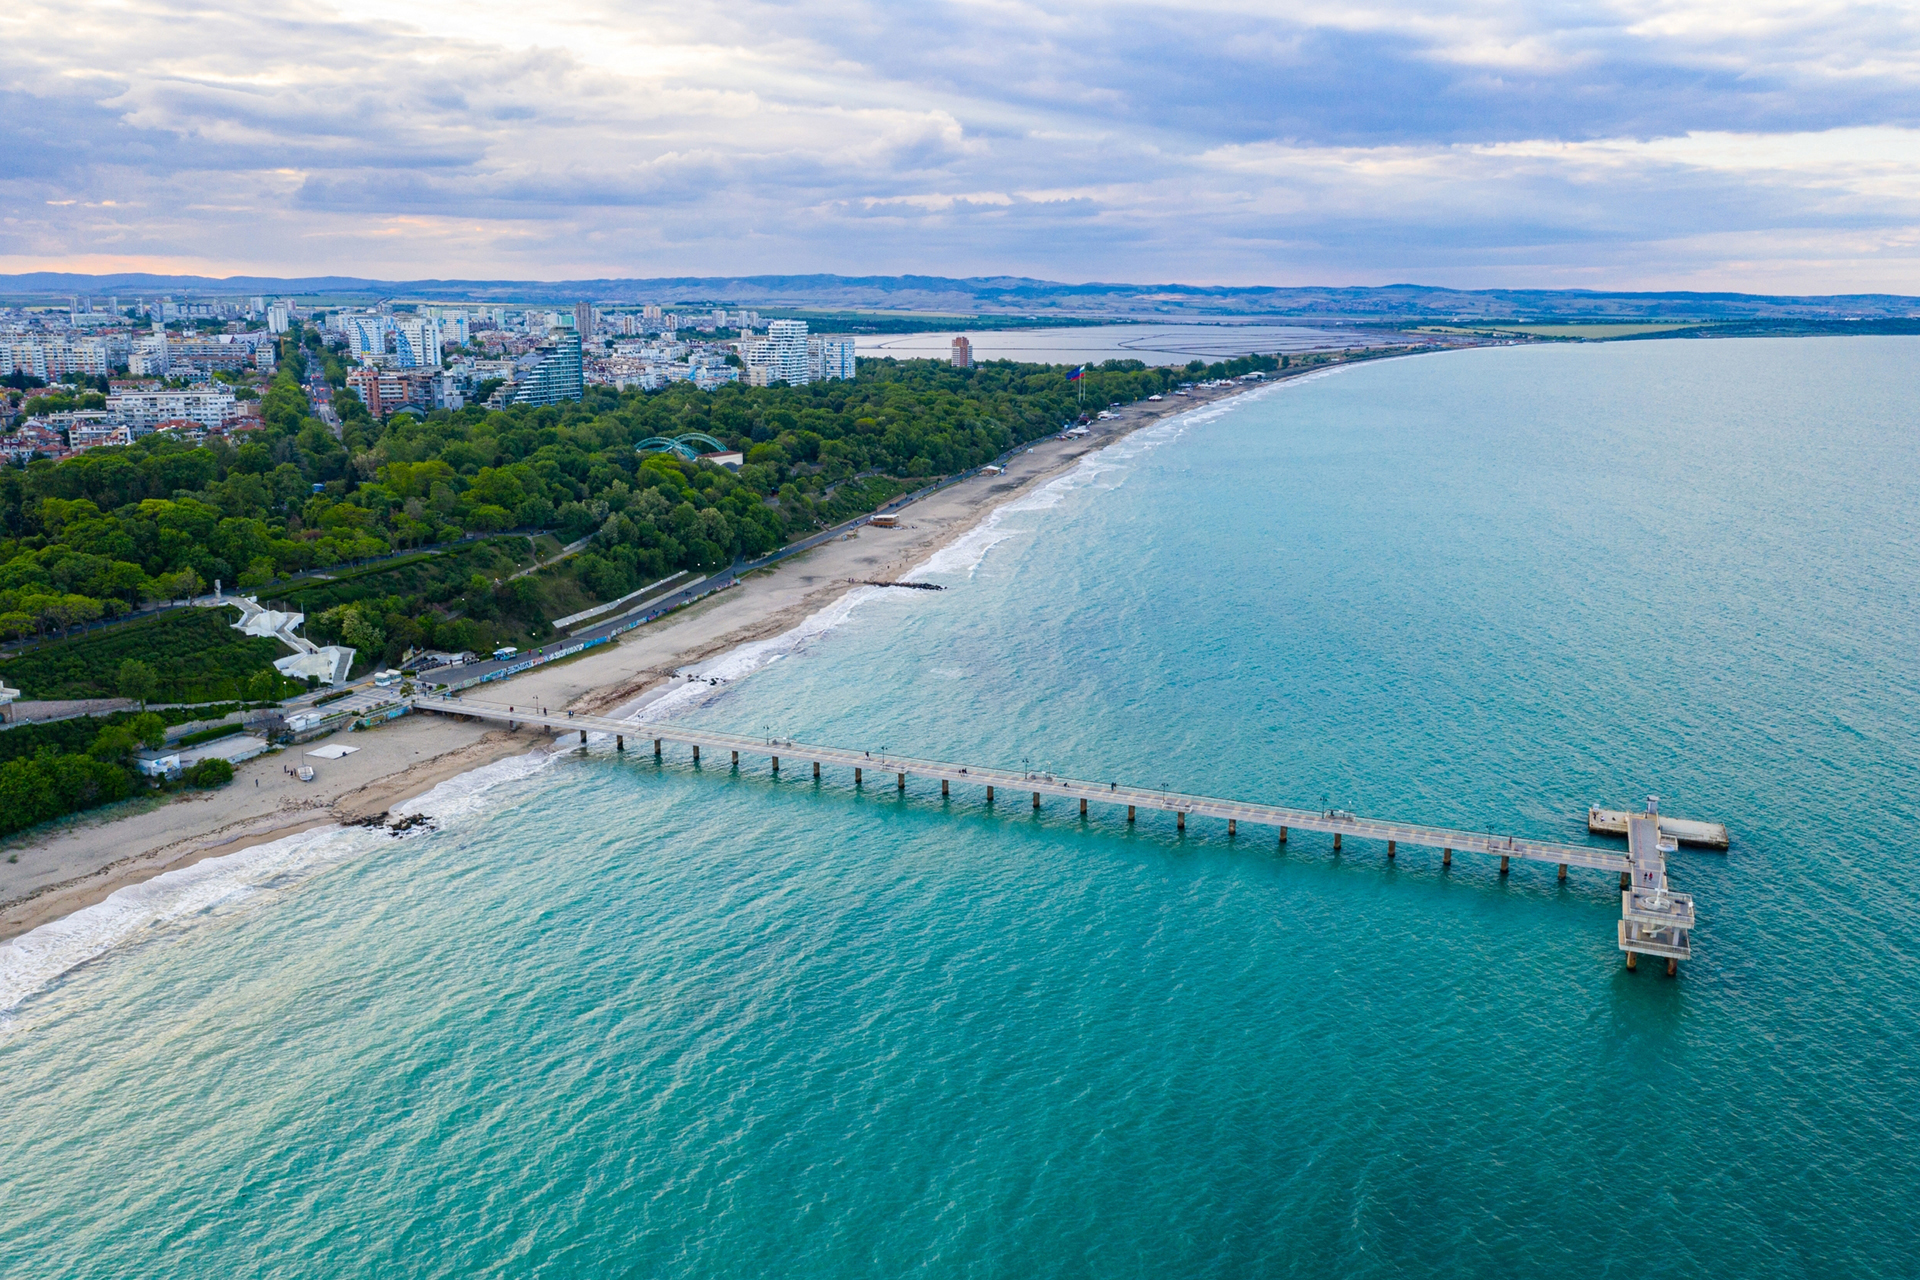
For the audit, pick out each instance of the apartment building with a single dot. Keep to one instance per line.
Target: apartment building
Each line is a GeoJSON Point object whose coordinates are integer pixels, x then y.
{"type": "Point", "coordinates": [416, 343]}
{"type": "Point", "coordinates": [143, 410]}
{"type": "Point", "coordinates": [52, 359]}
{"type": "Point", "coordinates": [787, 354]}
{"type": "Point", "coordinates": [386, 391]}
{"type": "Point", "coordinates": [558, 375]}
{"type": "Point", "coordinates": [366, 335]}
{"type": "Point", "coordinates": [831, 358]}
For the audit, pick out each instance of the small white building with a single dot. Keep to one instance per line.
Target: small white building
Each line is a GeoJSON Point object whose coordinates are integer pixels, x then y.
{"type": "Point", "coordinates": [157, 764]}
{"type": "Point", "coordinates": [170, 762]}
{"type": "Point", "coordinates": [330, 664]}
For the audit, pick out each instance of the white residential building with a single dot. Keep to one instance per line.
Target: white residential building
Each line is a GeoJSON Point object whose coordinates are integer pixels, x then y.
{"type": "Point", "coordinates": [416, 344]}
{"type": "Point", "coordinates": [143, 410]}
{"type": "Point", "coordinates": [787, 352]}
{"type": "Point", "coordinates": [149, 358]}
{"type": "Point", "coordinates": [51, 359]}
{"type": "Point", "coordinates": [279, 318]}
{"type": "Point", "coordinates": [788, 355]}
{"type": "Point", "coordinates": [366, 334]}
{"type": "Point", "coordinates": [80, 357]}
{"type": "Point", "coordinates": [29, 358]}
{"type": "Point", "coordinates": [831, 358]}
{"type": "Point", "coordinates": [90, 429]}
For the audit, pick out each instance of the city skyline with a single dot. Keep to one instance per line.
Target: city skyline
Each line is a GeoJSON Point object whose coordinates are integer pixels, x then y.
{"type": "Point", "coordinates": [1662, 146]}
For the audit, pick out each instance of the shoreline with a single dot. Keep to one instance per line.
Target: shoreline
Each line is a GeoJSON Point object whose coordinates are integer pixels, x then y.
{"type": "Point", "coordinates": [83, 863]}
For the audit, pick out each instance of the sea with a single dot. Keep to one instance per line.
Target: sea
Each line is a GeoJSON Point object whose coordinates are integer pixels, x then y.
{"type": "Point", "coordinates": [610, 1016]}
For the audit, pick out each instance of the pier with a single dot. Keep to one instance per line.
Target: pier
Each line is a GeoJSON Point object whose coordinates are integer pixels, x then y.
{"type": "Point", "coordinates": [1614, 822]}
{"type": "Point", "coordinates": [1654, 920]}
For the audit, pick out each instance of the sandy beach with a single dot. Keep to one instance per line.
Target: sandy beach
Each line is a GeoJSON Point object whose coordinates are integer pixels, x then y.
{"type": "Point", "coordinates": [80, 862]}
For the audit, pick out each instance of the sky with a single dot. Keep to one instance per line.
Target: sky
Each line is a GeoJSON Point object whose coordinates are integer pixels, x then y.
{"type": "Point", "coordinates": [1756, 146]}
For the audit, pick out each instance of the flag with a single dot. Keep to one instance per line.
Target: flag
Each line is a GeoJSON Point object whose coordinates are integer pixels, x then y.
{"type": "Point", "coordinates": [1075, 375]}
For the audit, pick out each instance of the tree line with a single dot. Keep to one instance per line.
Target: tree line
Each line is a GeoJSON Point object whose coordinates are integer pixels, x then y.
{"type": "Point", "coordinates": [97, 535]}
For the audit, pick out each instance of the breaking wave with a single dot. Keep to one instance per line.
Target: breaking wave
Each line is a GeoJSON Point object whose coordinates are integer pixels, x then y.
{"type": "Point", "coordinates": [35, 960]}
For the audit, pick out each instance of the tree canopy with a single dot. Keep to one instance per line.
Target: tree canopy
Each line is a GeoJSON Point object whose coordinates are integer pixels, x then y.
{"type": "Point", "coordinates": [94, 536]}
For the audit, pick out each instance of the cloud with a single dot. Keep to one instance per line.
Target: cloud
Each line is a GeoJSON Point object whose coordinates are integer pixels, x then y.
{"type": "Point", "coordinates": [1631, 144]}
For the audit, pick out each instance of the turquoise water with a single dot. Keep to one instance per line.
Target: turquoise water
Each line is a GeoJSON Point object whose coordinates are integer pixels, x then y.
{"type": "Point", "coordinates": [616, 1017]}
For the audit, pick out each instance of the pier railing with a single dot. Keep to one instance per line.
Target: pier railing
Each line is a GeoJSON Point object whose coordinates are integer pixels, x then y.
{"type": "Point", "coordinates": [1651, 869]}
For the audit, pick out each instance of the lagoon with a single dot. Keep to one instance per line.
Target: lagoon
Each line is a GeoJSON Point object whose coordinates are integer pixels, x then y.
{"type": "Point", "coordinates": [1151, 344]}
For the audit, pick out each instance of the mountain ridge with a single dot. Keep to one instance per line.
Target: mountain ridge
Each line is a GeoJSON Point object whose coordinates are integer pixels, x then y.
{"type": "Point", "coordinates": [1015, 295]}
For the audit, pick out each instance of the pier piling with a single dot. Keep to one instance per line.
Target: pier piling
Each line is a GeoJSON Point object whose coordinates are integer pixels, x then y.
{"type": "Point", "coordinates": [1654, 919]}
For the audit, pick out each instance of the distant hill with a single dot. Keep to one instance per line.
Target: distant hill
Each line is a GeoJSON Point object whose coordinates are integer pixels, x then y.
{"type": "Point", "coordinates": [1010, 295]}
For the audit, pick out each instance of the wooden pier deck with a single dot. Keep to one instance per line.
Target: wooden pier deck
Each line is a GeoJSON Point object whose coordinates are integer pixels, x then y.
{"type": "Point", "coordinates": [1646, 854]}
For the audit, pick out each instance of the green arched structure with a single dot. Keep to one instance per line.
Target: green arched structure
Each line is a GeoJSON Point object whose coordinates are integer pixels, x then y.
{"type": "Point", "coordinates": [685, 446]}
